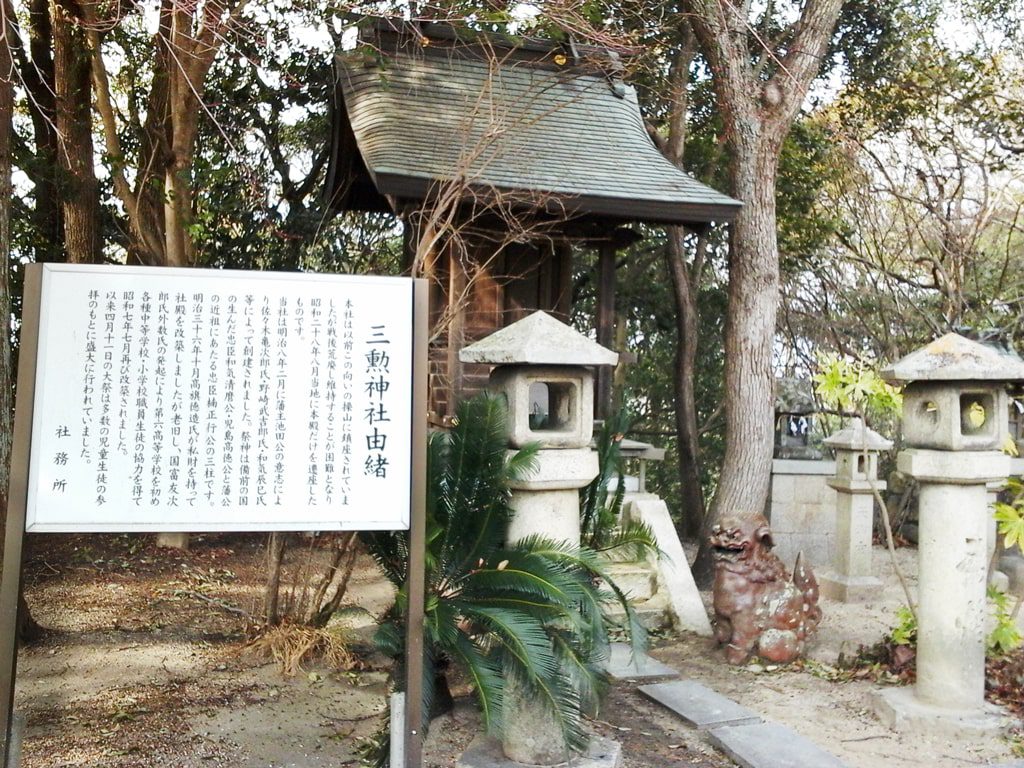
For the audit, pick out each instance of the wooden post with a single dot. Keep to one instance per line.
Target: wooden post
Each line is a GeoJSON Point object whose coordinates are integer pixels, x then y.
{"type": "Point", "coordinates": [17, 498]}
{"type": "Point", "coordinates": [605, 326]}
{"type": "Point", "coordinates": [457, 299]}
{"type": "Point", "coordinates": [413, 710]}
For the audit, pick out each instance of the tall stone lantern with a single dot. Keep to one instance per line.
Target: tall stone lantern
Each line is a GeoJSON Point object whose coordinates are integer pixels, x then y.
{"type": "Point", "coordinates": [857, 447]}
{"type": "Point", "coordinates": [544, 368]}
{"type": "Point", "coordinates": [954, 422]}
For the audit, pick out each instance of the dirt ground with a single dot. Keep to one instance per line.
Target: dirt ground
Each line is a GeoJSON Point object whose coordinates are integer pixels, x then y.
{"type": "Point", "coordinates": [142, 666]}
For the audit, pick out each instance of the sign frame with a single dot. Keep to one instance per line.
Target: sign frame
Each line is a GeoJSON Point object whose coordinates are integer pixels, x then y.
{"type": "Point", "coordinates": [18, 493]}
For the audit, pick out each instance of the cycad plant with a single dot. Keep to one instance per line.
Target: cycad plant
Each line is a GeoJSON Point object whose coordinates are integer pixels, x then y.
{"type": "Point", "coordinates": [529, 613]}
{"type": "Point", "coordinates": [599, 514]}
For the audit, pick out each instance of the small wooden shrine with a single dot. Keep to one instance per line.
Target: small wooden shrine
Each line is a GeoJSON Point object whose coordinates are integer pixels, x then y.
{"type": "Point", "coordinates": [500, 155]}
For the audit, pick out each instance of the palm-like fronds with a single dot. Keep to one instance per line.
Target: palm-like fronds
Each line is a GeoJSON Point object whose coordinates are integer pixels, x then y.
{"type": "Point", "coordinates": [530, 615]}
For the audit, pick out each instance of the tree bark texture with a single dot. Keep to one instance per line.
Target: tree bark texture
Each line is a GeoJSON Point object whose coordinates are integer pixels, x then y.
{"type": "Point", "coordinates": [277, 543]}
{"type": "Point", "coordinates": [35, 72]}
{"type": "Point", "coordinates": [758, 111]}
{"type": "Point", "coordinates": [159, 205]}
{"type": "Point", "coordinates": [685, 284]}
{"type": "Point", "coordinates": [80, 191]}
{"type": "Point", "coordinates": [27, 627]}
{"type": "Point", "coordinates": [687, 323]}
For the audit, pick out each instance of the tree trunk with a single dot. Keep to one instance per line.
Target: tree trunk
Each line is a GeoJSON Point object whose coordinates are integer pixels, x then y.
{"type": "Point", "coordinates": [749, 340]}
{"type": "Point", "coordinates": [27, 628]}
{"type": "Point", "coordinates": [72, 76]}
{"type": "Point", "coordinates": [687, 319]}
{"type": "Point", "coordinates": [684, 290]}
{"type": "Point", "coordinates": [37, 75]}
{"type": "Point", "coordinates": [757, 113]}
{"type": "Point", "coordinates": [275, 561]}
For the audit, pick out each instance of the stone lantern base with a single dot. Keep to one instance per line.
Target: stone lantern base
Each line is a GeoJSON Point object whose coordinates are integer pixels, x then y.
{"type": "Point", "coordinates": [486, 752]}
{"type": "Point", "coordinates": [849, 589]}
{"type": "Point", "coordinates": [902, 711]}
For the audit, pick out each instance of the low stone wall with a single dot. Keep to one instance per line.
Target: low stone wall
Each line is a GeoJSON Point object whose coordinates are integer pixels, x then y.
{"type": "Point", "coordinates": [802, 511]}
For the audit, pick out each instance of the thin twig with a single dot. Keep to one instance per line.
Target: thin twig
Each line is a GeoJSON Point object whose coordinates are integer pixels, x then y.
{"type": "Point", "coordinates": [218, 603]}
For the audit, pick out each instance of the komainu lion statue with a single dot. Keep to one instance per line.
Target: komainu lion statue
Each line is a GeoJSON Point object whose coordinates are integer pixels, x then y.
{"type": "Point", "coordinates": [759, 610]}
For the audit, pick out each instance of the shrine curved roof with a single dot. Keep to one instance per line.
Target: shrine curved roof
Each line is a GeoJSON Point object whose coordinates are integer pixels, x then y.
{"type": "Point", "coordinates": [552, 128]}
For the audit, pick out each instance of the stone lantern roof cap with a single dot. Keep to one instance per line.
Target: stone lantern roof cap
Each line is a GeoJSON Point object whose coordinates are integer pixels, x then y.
{"type": "Point", "coordinates": [955, 358]}
{"type": "Point", "coordinates": [538, 339]}
{"type": "Point", "coordinates": [858, 437]}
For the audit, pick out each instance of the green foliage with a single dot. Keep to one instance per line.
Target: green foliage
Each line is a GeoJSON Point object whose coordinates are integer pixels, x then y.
{"type": "Point", "coordinates": [1011, 524]}
{"type": "Point", "coordinates": [1004, 637]}
{"type": "Point", "coordinates": [599, 514]}
{"type": "Point", "coordinates": [854, 386]}
{"type": "Point", "coordinates": [529, 612]}
{"type": "Point", "coordinates": [905, 631]}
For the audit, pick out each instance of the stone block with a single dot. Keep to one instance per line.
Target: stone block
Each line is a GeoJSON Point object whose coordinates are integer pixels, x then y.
{"type": "Point", "coordinates": [848, 589]}
{"type": "Point", "coordinates": [698, 705]}
{"type": "Point", "coordinates": [770, 745]}
{"type": "Point", "coordinates": [803, 467]}
{"type": "Point", "coordinates": [953, 467]}
{"type": "Point", "coordinates": [637, 580]}
{"type": "Point", "coordinates": [554, 514]}
{"type": "Point", "coordinates": [782, 488]}
{"type": "Point", "coordinates": [559, 468]}
{"type": "Point", "coordinates": [622, 665]}
{"type": "Point", "coordinates": [817, 548]}
{"type": "Point", "coordinates": [686, 607]}
{"type": "Point", "coordinates": [900, 710]}
{"type": "Point", "coordinates": [172, 540]}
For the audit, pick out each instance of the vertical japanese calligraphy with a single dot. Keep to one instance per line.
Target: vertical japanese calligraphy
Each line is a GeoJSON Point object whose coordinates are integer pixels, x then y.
{"type": "Point", "coordinates": [214, 400]}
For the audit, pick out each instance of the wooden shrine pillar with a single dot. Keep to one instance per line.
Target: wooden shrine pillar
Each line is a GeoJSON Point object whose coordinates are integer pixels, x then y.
{"type": "Point", "coordinates": [605, 325]}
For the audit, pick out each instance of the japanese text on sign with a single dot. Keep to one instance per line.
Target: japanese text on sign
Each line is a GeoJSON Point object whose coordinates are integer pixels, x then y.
{"type": "Point", "coordinates": [214, 400]}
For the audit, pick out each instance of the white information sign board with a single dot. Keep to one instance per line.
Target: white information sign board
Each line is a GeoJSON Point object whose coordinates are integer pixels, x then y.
{"type": "Point", "coordinates": [209, 400]}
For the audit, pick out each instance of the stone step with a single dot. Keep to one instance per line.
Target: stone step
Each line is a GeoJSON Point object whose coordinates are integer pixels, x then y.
{"type": "Point", "coordinates": [770, 745]}
{"type": "Point", "coordinates": [653, 613]}
{"type": "Point", "coordinates": [639, 580]}
{"type": "Point", "coordinates": [698, 705]}
{"type": "Point", "coordinates": [623, 666]}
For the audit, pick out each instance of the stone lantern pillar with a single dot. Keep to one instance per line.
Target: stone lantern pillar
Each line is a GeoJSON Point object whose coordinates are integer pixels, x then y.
{"type": "Point", "coordinates": [857, 447]}
{"type": "Point", "coordinates": [954, 421]}
{"type": "Point", "coordinates": [544, 368]}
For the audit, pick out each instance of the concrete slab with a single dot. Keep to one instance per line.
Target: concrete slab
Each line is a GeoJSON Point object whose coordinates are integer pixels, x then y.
{"type": "Point", "coordinates": [698, 705]}
{"type": "Point", "coordinates": [900, 710]}
{"type": "Point", "coordinates": [485, 752]}
{"type": "Point", "coordinates": [622, 665]}
{"type": "Point", "coordinates": [770, 745]}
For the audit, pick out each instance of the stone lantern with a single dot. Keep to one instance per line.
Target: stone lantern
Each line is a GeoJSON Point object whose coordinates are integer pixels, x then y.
{"type": "Point", "coordinates": [954, 423]}
{"type": "Point", "coordinates": [544, 368]}
{"type": "Point", "coordinates": [857, 448]}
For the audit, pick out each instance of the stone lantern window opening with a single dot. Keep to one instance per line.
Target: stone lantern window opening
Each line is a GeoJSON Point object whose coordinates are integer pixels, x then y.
{"type": "Point", "coordinates": [975, 409]}
{"type": "Point", "coordinates": [553, 405]}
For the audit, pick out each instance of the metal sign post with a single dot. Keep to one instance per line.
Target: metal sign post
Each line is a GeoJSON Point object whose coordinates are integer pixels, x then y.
{"type": "Point", "coordinates": [328, 372]}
